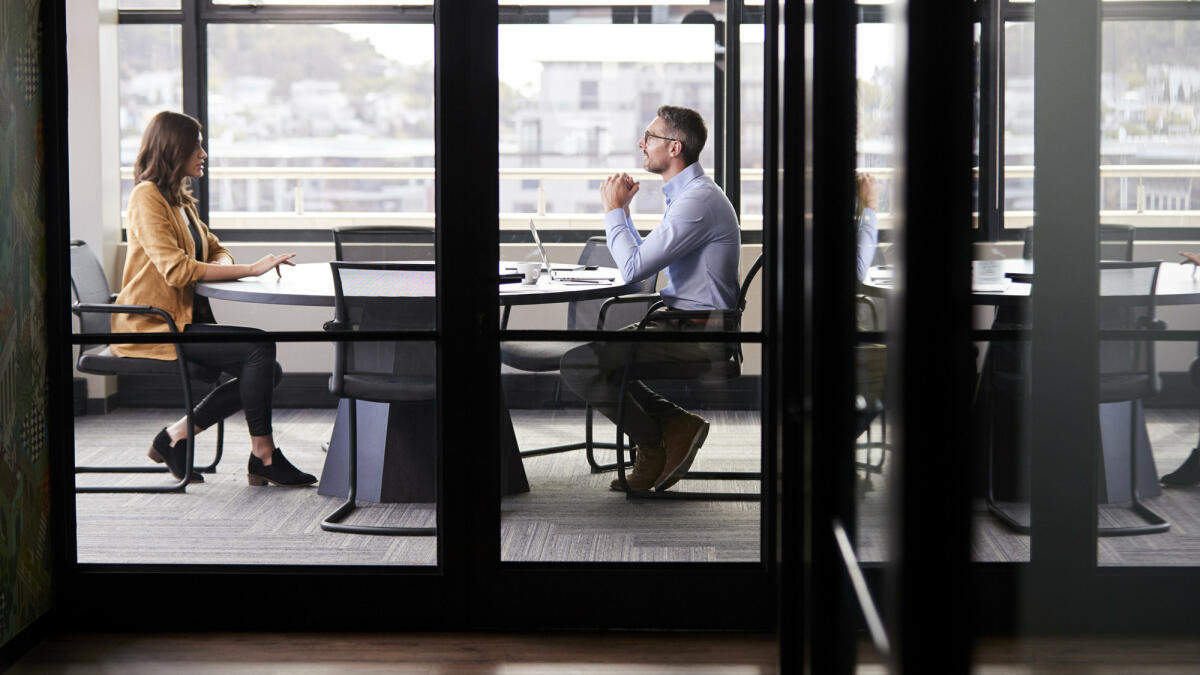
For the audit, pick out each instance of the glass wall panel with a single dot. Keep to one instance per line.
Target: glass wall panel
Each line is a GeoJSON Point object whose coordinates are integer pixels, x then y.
{"type": "Point", "coordinates": [575, 112]}
{"type": "Point", "coordinates": [876, 111]}
{"type": "Point", "coordinates": [752, 126]}
{"type": "Point", "coordinates": [314, 126]}
{"type": "Point", "coordinates": [310, 128]}
{"type": "Point", "coordinates": [151, 80]}
{"type": "Point", "coordinates": [1018, 125]}
{"type": "Point", "coordinates": [875, 141]}
{"type": "Point", "coordinates": [1150, 149]}
{"type": "Point", "coordinates": [1150, 121]}
{"type": "Point", "coordinates": [572, 110]}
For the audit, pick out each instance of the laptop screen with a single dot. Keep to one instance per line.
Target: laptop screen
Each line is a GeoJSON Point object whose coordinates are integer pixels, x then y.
{"type": "Point", "coordinates": [537, 241]}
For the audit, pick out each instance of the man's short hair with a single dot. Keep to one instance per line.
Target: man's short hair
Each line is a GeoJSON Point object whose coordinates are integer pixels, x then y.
{"type": "Point", "coordinates": [688, 126]}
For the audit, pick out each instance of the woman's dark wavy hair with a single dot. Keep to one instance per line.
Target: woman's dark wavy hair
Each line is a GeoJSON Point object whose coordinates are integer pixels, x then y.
{"type": "Point", "coordinates": [167, 144]}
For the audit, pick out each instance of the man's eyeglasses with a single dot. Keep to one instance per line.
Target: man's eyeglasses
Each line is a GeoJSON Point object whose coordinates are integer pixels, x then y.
{"type": "Point", "coordinates": [648, 136]}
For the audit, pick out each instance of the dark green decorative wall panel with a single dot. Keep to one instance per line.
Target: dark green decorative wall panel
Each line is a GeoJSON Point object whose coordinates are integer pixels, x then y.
{"type": "Point", "coordinates": [25, 590]}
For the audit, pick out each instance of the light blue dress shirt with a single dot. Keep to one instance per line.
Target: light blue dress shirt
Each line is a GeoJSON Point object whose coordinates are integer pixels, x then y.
{"type": "Point", "coordinates": [867, 239]}
{"type": "Point", "coordinates": [698, 242]}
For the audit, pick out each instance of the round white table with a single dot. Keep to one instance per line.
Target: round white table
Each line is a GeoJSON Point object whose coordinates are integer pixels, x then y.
{"type": "Point", "coordinates": [311, 284]}
{"type": "Point", "coordinates": [1176, 284]}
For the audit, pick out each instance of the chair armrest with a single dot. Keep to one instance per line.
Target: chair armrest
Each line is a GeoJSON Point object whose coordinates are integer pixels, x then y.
{"type": "Point", "coordinates": [661, 311]}
{"type": "Point", "coordinates": [869, 303]}
{"type": "Point", "coordinates": [84, 308]}
{"type": "Point", "coordinates": [625, 300]}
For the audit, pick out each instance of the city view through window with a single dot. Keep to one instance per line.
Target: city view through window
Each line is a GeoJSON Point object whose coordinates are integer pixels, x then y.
{"type": "Point", "coordinates": [339, 119]}
{"type": "Point", "coordinates": [1149, 120]}
{"type": "Point", "coordinates": [324, 119]}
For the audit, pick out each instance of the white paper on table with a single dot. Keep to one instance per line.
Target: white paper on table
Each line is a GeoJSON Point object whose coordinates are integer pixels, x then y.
{"type": "Point", "coordinates": [987, 276]}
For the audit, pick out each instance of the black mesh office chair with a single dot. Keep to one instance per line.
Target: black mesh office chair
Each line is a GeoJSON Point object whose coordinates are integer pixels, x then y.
{"type": "Point", "coordinates": [366, 243]}
{"type": "Point", "coordinates": [1128, 372]}
{"type": "Point", "coordinates": [94, 305]}
{"type": "Point", "coordinates": [544, 357]}
{"type": "Point", "coordinates": [1116, 242]}
{"type": "Point", "coordinates": [378, 296]}
{"type": "Point", "coordinates": [726, 370]}
{"type": "Point", "coordinates": [870, 369]}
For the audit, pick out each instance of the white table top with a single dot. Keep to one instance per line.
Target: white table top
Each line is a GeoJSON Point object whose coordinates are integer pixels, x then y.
{"type": "Point", "coordinates": [311, 284]}
{"type": "Point", "coordinates": [1176, 286]}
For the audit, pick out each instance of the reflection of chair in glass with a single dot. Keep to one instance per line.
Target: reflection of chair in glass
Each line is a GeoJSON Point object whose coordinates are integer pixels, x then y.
{"type": "Point", "coordinates": [870, 367]}
{"type": "Point", "coordinates": [380, 296]}
{"type": "Point", "coordinates": [728, 369]}
{"type": "Point", "coordinates": [94, 304]}
{"type": "Point", "coordinates": [1128, 372]}
{"type": "Point", "coordinates": [383, 242]}
{"type": "Point", "coordinates": [1116, 242]}
{"type": "Point", "coordinates": [544, 357]}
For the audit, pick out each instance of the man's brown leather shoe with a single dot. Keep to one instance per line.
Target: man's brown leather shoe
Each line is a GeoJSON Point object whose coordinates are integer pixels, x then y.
{"type": "Point", "coordinates": [682, 437]}
{"type": "Point", "coordinates": [647, 465]}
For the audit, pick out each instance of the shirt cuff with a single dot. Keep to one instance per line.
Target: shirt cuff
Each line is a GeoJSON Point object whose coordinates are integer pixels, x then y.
{"type": "Point", "coordinates": [614, 218]}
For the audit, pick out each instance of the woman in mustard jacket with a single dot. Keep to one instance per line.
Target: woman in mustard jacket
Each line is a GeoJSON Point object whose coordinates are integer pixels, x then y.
{"type": "Point", "coordinates": [169, 250]}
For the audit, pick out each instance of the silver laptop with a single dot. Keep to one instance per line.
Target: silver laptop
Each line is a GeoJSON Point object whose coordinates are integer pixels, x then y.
{"type": "Point", "coordinates": [537, 241]}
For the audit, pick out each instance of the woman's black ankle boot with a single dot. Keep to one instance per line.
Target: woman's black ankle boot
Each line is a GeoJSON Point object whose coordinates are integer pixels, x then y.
{"type": "Point", "coordinates": [1187, 474]}
{"type": "Point", "coordinates": [279, 472]}
{"type": "Point", "coordinates": [174, 456]}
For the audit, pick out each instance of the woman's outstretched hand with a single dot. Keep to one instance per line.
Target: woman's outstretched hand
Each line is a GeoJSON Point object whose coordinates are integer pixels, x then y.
{"type": "Point", "coordinates": [270, 262]}
{"type": "Point", "coordinates": [1193, 258]}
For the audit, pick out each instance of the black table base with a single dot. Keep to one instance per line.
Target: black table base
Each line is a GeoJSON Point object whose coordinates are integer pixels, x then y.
{"type": "Point", "coordinates": [397, 454]}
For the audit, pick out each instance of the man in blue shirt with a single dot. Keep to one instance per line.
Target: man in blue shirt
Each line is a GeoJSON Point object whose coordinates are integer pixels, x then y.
{"type": "Point", "coordinates": [698, 243]}
{"type": "Point", "coordinates": [867, 234]}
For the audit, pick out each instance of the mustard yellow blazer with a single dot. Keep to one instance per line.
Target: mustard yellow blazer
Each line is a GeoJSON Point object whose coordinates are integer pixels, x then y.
{"type": "Point", "coordinates": [161, 268]}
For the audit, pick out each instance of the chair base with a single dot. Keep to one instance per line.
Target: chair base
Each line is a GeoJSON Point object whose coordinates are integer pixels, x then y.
{"type": "Point", "coordinates": [595, 466]}
{"type": "Point", "coordinates": [1155, 523]}
{"type": "Point", "coordinates": [333, 523]}
{"type": "Point", "coordinates": [868, 465]}
{"type": "Point", "coordinates": [704, 496]}
{"type": "Point", "coordinates": [587, 444]}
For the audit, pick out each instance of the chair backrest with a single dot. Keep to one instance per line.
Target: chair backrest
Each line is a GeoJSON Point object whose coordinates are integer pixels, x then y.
{"type": "Point", "coordinates": [90, 286]}
{"type": "Point", "coordinates": [1116, 242]}
{"type": "Point", "coordinates": [745, 289]}
{"type": "Point", "coordinates": [383, 242]}
{"type": "Point", "coordinates": [1127, 367]}
{"type": "Point", "coordinates": [383, 296]}
{"type": "Point", "coordinates": [584, 314]}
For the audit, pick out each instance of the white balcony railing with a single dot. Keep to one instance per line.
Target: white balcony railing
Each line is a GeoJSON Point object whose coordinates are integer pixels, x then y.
{"type": "Point", "coordinates": [300, 218]}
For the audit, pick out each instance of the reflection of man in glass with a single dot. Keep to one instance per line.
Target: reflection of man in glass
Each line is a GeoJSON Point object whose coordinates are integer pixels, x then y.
{"type": "Point", "coordinates": [866, 203]}
{"type": "Point", "coordinates": [698, 243]}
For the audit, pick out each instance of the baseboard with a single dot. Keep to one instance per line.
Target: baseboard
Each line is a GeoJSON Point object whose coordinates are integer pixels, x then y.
{"type": "Point", "coordinates": [20, 644]}
{"type": "Point", "coordinates": [85, 405]}
{"type": "Point", "coordinates": [101, 406]}
{"type": "Point", "coordinates": [523, 391]}
{"type": "Point", "coordinates": [1177, 392]}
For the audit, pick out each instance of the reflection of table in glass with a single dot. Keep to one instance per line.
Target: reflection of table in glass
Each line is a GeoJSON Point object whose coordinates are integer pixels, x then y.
{"type": "Point", "coordinates": [1175, 287]}
{"type": "Point", "coordinates": [397, 459]}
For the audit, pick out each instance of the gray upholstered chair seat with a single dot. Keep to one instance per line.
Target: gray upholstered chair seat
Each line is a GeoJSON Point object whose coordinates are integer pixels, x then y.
{"type": "Point", "coordinates": [102, 362]}
{"type": "Point", "coordinates": [386, 387]}
{"type": "Point", "coordinates": [1127, 386]}
{"type": "Point", "coordinates": [535, 357]}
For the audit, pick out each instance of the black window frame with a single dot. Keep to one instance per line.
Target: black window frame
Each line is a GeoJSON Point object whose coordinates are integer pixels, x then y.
{"type": "Point", "coordinates": [468, 582]}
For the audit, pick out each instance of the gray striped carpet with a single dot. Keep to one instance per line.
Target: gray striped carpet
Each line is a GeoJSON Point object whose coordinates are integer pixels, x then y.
{"type": "Point", "coordinates": [569, 515]}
